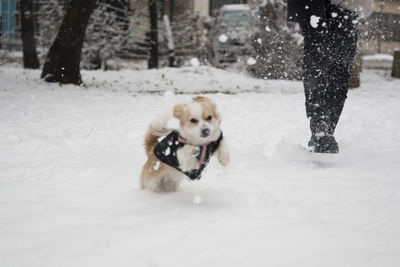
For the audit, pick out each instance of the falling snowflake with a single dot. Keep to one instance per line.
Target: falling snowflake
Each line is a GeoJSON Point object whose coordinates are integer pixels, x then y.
{"type": "Point", "coordinates": [197, 199]}
{"type": "Point", "coordinates": [223, 38]}
{"type": "Point", "coordinates": [157, 166]}
{"type": "Point", "coordinates": [167, 151]}
{"type": "Point", "coordinates": [195, 62]}
{"type": "Point", "coordinates": [314, 20]}
{"type": "Point", "coordinates": [251, 61]}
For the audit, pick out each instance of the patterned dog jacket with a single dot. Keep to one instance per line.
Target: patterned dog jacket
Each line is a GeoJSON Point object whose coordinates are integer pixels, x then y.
{"type": "Point", "coordinates": [166, 152]}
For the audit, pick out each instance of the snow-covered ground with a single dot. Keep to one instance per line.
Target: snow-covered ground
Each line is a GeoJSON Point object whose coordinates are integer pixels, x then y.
{"type": "Point", "coordinates": [378, 61]}
{"type": "Point", "coordinates": [70, 159]}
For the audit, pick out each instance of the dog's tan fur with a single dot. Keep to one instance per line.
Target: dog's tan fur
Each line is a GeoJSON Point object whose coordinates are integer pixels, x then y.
{"type": "Point", "coordinates": [160, 177]}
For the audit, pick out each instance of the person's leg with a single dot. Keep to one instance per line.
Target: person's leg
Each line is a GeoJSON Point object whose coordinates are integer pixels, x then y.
{"type": "Point", "coordinates": [315, 75]}
{"type": "Point", "coordinates": [315, 78]}
{"type": "Point", "coordinates": [329, 50]}
{"type": "Point", "coordinates": [343, 34]}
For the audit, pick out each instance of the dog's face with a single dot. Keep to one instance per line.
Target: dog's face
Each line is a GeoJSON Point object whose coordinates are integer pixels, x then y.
{"type": "Point", "coordinates": [199, 121]}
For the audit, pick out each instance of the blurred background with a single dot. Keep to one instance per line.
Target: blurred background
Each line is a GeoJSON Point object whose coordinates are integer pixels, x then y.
{"type": "Point", "coordinates": [251, 36]}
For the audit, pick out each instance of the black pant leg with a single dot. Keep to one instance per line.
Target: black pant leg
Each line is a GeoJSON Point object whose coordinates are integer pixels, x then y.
{"type": "Point", "coordinates": [343, 32]}
{"type": "Point", "coordinates": [329, 51]}
{"type": "Point", "coordinates": [316, 55]}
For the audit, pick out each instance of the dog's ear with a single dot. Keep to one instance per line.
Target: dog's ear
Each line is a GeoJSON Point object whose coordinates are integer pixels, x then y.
{"type": "Point", "coordinates": [215, 110]}
{"type": "Point", "coordinates": [207, 102]}
{"type": "Point", "coordinates": [179, 109]}
{"type": "Point", "coordinates": [201, 99]}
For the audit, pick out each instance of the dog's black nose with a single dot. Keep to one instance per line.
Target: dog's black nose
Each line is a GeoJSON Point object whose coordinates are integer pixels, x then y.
{"type": "Point", "coordinates": [205, 132]}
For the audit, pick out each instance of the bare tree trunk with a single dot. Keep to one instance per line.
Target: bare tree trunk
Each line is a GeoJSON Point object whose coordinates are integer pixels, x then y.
{"type": "Point", "coordinates": [153, 57]}
{"type": "Point", "coordinates": [170, 44]}
{"type": "Point", "coordinates": [355, 80]}
{"type": "Point", "coordinates": [396, 64]}
{"type": "Point", "coordinates": [64, 57]}
{"type": "Point", "coordinates": [31, 60]}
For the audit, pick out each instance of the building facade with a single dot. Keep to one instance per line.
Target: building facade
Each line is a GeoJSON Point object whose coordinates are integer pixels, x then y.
{"type": "Point", "coordinates": [9, 24]}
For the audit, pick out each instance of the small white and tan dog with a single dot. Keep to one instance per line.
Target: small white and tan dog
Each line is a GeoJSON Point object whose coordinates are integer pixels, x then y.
{"type": "Point", "coordinates": [184, 151]}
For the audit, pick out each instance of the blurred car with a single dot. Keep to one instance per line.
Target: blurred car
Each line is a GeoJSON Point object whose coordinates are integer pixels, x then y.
{"type": "Point", "coordinates": [231, 35]}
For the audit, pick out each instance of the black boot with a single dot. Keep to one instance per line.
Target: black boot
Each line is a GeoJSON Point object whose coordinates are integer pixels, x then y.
{"type": "Point", "coordinates": [322, 139]}
{"type": "Point", "coordinates": [326, 144]}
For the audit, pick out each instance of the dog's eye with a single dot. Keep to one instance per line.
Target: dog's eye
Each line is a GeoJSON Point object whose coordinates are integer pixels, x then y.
{"type": "Point", "coordinates": [194, 121]}
{"type": "Point", "coordinates": [209, 118]}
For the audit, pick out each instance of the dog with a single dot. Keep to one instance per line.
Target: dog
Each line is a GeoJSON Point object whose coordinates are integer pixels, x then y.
{"type": "Point", "coordinates": [184, 151]}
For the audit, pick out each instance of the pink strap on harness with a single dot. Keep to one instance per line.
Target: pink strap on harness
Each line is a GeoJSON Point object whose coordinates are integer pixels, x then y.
{"type": "Point", "coordinates": [203, 149]}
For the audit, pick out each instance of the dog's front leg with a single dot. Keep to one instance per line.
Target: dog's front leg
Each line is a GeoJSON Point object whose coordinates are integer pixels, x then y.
{"type": "Point", "coordinates": [187, 157]}
{"type": "Point", "coordinates": [223, 153]}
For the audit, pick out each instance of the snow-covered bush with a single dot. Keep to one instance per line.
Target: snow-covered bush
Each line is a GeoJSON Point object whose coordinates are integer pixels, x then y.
{"type": "Point", "coordinates": [278, 45]}
{"type": "Point", "coordinates": [189, 33]}
{"type": "Point", "coordinates": [115, 32]}
{"type": "Point", "coordinates": [49, 17]}
{"type": "Point", "coordinates": [105, 36]}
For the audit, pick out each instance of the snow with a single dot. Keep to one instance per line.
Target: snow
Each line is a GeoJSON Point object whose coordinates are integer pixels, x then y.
{"type": "Point", "coordinates": [157, 166]}
{"type": "Point", "coordinates": [378, 61]}
{"type": "Point", "coordinates": [223, 38]}
{"type": "Point", "coordinates": [195, 62]}
{"type": "Point", "coordinates": [314, 20]}
{"type": "Point", "coordinates": [197, 200]}
{"type": "Point", "coordinates": [235, 7]}
{"type": "Point", "coordinates": [251, 61]}
{"type": "Point", "coordinates": [379, 57]}
{"type": "Point", "coordinates": [70, 159]}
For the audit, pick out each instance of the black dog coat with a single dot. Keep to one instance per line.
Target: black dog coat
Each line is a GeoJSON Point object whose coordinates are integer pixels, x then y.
{"type": "Point", "coordinates": [166, 151]}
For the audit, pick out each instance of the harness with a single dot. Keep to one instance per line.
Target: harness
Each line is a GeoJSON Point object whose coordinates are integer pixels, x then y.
{"type": "Point", "coordinates": [166, 152]}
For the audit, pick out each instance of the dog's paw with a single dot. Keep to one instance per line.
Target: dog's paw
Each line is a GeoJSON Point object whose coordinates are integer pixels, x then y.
{"type": "Point", "coordinates": [223, 159]}
{"type": "Point", "coordinates": [195, 150]}
{"type": "Point", "coordinates": [187, 157]}
{"type": "Point", "coordinates": [223, 154]}
{"type": "Point", "coordinates": [190, 151]}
